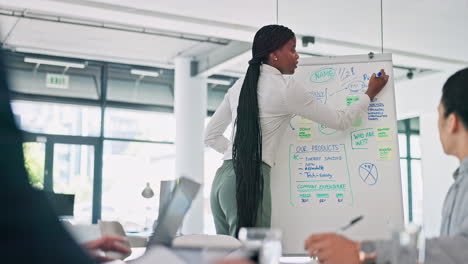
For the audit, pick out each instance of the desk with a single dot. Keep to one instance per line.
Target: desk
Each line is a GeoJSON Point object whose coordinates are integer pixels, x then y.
{"type": "Point", "coordinates": [136, 253]}
{"type": "Point", "coordinates": [297, 260]}
{"type": "Point", "coordinates": [139, 251]}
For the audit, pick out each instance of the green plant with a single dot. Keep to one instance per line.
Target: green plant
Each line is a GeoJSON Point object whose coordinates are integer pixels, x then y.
{"type": "Point", "coordinates": [34, 157]}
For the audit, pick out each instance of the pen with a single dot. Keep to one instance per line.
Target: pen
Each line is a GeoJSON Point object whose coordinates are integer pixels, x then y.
{"type": "Point", "coordinates": [378, 74]}
{"type": "Point", "coordinates": [354, 221]}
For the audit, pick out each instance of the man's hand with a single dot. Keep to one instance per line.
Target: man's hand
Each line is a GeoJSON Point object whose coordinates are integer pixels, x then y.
{"type": "Point", "coordinates": [332, 249]}
{"type": "Point", "coordinates": [107, 243]}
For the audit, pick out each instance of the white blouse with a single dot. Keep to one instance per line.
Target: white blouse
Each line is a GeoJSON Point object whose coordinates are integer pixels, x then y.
{"type": "Point", "coordinates": [278, 100]}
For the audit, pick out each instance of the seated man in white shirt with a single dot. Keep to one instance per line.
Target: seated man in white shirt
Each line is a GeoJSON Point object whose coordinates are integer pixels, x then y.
{"type": "Point", "coordinates": [452, 244]}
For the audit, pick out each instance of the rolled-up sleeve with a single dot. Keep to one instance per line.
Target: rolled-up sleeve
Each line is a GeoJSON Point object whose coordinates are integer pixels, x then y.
{"type": "Point", "coordinates": [300, 102]}
{"type": "Point", "coordinates": [214, 132]}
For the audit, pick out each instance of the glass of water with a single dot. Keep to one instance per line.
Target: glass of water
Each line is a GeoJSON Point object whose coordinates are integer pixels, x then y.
{"type": "Point", "coordinates": [408, 245]}
{"type": "Point", "coordinates": [265, 241]}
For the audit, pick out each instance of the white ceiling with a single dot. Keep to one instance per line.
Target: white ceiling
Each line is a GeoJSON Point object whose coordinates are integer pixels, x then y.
{"type": "Point", "coordinates": [421, 33]}
{"type": "Point", "coordinates": [249, 13]}
{"type": "Point", "coordinates": [97, 41]}
{"type": "Point", "coordinates": [430, 27]}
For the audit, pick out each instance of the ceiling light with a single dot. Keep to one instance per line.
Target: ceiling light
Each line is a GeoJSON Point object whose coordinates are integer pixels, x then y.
{"type": "Point", "coordinates": [65, 64]}
{"type": "Point", "coordinates": [218, 81]}
{"type": "Point", "coordinates": [144, 73]}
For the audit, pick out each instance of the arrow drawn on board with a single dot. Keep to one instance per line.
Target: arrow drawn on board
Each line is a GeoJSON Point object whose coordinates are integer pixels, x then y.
{"type": "Point", "coordinates": [339, 91]}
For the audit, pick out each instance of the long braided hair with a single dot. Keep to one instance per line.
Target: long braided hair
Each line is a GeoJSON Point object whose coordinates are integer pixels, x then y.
{"type": "Point", "coordinates": [247, 146]}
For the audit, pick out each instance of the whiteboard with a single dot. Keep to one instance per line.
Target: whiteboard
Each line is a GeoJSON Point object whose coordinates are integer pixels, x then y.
{"type": "Point", "coordinates": [324, 178]}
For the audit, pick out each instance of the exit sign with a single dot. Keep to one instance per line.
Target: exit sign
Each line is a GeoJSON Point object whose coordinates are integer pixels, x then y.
{"type": "Point", "coordinates": [59, 81]}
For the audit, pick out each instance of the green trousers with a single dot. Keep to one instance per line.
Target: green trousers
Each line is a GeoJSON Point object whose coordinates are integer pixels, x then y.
{"type": "Point", "coordinates": [223, 200]}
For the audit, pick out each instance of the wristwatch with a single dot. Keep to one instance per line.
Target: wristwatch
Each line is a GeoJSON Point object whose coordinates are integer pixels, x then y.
{"type": "Point", "coordinates": [367, 254]}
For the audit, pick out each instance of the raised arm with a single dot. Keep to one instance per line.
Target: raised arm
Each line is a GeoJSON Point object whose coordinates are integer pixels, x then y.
{"type": "Point", "coordinates": [300, 102]}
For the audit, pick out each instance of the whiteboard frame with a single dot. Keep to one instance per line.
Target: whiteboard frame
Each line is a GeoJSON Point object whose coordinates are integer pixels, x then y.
{"type": "Point", "coordinates": [330, 60]}
{"type": "Point", "coordinates": [362, 58]}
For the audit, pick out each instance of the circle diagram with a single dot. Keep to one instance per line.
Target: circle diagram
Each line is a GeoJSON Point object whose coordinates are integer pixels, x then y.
{"type": "Point", "coordinates": [369, 173]}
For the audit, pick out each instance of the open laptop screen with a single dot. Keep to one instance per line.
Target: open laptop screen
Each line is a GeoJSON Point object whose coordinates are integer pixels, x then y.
{"type": "Point", "coordinates": [174, 212]}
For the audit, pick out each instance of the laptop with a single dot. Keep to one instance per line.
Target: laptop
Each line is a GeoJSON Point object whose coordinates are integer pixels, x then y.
{"type": "Point", "coordinates": [173, 213]}
{"type": "Point", "coordinates": [170, 221]}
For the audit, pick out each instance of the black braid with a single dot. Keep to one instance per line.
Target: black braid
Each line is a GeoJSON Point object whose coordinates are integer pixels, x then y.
{"type": "Point", "coordinates": [247, 146]}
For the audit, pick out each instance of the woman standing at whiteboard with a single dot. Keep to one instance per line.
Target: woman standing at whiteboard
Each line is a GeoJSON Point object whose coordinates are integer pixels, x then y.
{"type": "Point", "coordinates": [259, 105]}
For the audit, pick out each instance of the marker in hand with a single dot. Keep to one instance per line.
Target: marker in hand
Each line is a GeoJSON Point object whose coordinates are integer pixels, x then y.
{"type": "Point", "coordinates": [354, 221]}
{"type": "Point", "coordinates": [378, 74]}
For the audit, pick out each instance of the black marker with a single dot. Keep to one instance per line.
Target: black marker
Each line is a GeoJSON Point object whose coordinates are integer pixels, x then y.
{"type": "Point", "coordinates": [354, 221]}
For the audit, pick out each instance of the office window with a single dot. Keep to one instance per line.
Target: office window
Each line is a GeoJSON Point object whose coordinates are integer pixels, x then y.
{"type": "Point", "coordinates": [126, 84]}
{"type": "Point", "coordinates": [410, 161]}
{"type": "Point", "coordinates": [75, 83]}
{"type": "Point", "coordinates": [127, 167]}
{"type": "Point", "coordinates": [65, 120]}
{"type": "Point", "coordinates": [141, 125]}
{"type": "Point", "coordinates": [215, 97]}
{"type": "Point", "coordinates": [74, 174]}
{"type": "Point", "coordinates": [142, 92]}
{"type": "Point", "coordinates": [53, 118]}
